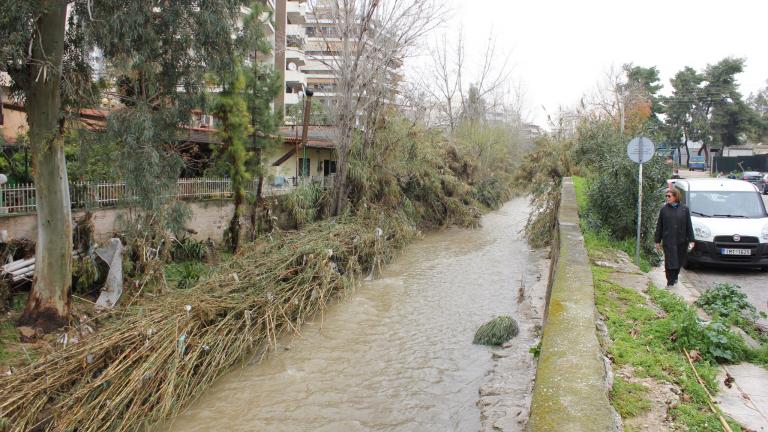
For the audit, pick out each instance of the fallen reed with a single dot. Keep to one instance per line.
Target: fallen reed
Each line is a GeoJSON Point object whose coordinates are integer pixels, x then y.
{"type": "Point", "coordinates": [147, 365]}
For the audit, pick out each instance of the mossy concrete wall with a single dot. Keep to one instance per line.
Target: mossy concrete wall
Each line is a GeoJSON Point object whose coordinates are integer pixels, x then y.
{"type": "Point", "coordinates": [570, 392]}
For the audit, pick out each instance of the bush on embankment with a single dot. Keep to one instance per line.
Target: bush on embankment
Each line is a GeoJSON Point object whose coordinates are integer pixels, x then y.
{"type": "Point", "coordinates": [611, 188]}
{"type": "Point", "coordinates": [150, 360]}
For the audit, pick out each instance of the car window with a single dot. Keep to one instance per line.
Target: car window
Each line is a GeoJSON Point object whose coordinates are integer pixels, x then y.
{"type": "Point", "coordinates": [726, 204]}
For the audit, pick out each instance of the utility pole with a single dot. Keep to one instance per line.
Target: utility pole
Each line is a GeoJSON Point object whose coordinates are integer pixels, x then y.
{"type": "Point", "coordinates": [305, 127]}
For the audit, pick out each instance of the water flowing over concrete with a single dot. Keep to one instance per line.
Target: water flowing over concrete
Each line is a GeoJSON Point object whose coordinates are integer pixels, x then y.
{"type": "Point", "coordinates": [398, 354]}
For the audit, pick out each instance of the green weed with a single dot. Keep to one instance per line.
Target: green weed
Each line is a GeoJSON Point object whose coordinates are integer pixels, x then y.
{"type": "Point", "coordinates": [726, 301]}
{"type": "Point", "coordinates": [185, 275]}
{"type": "Point", "coordinates": [629, 399]}
{"type": "Point", "coordinates": [647, 341]}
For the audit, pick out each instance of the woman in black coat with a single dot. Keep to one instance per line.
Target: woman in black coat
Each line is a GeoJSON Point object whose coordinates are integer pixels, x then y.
{"type": "Point", "coordinates": [674, 231]}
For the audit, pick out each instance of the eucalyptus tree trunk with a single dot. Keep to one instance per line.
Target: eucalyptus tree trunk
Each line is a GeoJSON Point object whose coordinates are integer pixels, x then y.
{"type": "Point", "coordinates": [49, 302]}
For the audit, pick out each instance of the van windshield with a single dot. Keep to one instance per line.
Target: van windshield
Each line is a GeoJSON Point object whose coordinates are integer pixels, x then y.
{"type": "Point", "coordinates": [726, 204]}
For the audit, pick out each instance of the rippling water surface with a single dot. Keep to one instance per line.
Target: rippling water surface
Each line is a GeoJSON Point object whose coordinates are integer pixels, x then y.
{"type": "Point", "coordinates": [395, 356]}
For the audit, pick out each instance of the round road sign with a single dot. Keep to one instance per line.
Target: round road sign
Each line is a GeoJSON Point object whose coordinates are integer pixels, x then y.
{"type": "Point", "coordinates": [640, 149]}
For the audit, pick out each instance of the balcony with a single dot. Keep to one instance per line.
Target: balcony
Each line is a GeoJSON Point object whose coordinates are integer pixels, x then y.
{"type": "Point", "coordinates": [296, 12]}
{"type": "Point", "coordinates": [295, 77]}
{"type": "Point", "coordinates": [293, 55]}
{"type": "Point", "coordinates": [292, 98]}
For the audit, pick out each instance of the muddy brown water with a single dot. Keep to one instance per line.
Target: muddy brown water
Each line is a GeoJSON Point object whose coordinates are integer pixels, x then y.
{"type": "Point", "coordinates": [397, 355]}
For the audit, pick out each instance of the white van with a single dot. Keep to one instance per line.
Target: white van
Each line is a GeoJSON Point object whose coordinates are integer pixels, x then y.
{"type": "Point", "coordinates": [730, 223]}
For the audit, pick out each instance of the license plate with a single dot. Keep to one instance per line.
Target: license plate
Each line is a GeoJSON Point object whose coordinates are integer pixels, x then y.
{"type": "Point", "coordinates": [735, 251]}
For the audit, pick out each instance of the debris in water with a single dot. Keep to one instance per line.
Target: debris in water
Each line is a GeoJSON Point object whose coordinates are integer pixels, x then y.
{"type": "Point", "coordinates": [496, 331]}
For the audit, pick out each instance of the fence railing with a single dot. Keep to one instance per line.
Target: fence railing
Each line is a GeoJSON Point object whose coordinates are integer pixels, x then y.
{"type": "Point", "coordinates": [22, 198]}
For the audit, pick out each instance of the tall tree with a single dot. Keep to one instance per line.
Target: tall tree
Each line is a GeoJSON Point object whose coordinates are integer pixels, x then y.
{"type": "Point", "coordinates": [729, 115]}
{"type": "Point", "coordinates": [162, 51]}
{"type": "Point", "coordinates": [371, 36]}
{"type": "Point", "coordinates": [44, 57]}
{"type": "Point", "coordinates": [759, 103]}
{"type": "Point", "coordinates": [686, 119]}
{"type": "Point", "coordinates": [232, 110]}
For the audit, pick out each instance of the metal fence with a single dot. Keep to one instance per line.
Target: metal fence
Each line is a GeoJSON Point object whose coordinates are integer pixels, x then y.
{"type": "Point", "coordinates": [21, 198]}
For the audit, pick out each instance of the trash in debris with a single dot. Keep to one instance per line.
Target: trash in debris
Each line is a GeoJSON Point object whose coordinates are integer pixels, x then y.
{"type": "Point", "coordinates": [112, 254]}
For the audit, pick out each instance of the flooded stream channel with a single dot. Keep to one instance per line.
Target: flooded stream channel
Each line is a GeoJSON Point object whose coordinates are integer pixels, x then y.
{"type": "Point", "coordinates": [397, 355]}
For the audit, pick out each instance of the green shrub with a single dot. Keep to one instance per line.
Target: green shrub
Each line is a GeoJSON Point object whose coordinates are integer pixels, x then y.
{"type": "Point", "coordinates": [185, 275]}
{"type": "Point", "coordinates": [304, 203]}
{"type": "Point", "coordinates": [728, 302]}
{"type": "Point", "coordinates": [189, 249]}
{"type": "Point", "coordinates": [714, 340]}
{"type": "Point", "coordinates": [612, 187]}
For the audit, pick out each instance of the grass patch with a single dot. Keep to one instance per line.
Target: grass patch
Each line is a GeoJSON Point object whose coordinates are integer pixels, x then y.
{"type": "Point", "coordinates": [629, 399]}
{"type": "Point", "coordinates": [8, 334]}
{"type": "Point", "coordinates": [650, 343]}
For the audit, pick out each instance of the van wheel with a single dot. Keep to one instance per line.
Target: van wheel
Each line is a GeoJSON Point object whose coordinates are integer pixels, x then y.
{"type": "Point", "coordinates": [764, 269]}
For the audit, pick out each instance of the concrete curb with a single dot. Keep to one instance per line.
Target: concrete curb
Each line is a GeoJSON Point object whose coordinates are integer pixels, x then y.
{"type": "Point", "coordinates": [570, 393]}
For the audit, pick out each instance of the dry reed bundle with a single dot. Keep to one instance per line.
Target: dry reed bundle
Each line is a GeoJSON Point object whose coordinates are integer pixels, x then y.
{"type": "Point", "coordinates": [149, 364]}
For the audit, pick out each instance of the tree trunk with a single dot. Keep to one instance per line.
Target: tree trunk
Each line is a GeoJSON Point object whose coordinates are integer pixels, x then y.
{"type": "Point", "coordinates": [49, 302]}
{"type": "Point", "coordinates": [339, 201]}
{"type": "Point", "coordinates": [234, 223]}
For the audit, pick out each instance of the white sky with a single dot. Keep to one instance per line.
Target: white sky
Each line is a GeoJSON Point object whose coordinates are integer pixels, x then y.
{"type": "Point", "coordinates": [560, 49]}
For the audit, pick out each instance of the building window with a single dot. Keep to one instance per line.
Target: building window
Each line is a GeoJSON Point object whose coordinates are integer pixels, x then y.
{"type": "Point", "coordinates": [329, 167]}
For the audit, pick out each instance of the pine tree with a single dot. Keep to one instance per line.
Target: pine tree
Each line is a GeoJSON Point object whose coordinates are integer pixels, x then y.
{"type": "Point", "coordinates": [232, 111]}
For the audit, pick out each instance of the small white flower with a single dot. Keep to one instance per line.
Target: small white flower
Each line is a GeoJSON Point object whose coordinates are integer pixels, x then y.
{"type": "Point", "coordinates": [188, 308]}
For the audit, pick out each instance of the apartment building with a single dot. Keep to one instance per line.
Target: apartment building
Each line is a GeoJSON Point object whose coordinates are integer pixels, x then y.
{"type": "Point", "coordinates": [322, 48]}
{"type": "Point", "coordinates": [289, 56]}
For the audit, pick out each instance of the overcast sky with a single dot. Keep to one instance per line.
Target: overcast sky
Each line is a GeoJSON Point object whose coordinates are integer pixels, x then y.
{"type": "Point", "coordinates": [560, 49]}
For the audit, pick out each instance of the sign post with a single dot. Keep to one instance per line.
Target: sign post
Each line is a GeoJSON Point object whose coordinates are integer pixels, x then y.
{"type": "Point", "coordinates": [640, 150]}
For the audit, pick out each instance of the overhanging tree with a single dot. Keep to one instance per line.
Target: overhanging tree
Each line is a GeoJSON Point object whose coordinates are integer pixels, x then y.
{"type": "Point", "coordinates": [162, 53]}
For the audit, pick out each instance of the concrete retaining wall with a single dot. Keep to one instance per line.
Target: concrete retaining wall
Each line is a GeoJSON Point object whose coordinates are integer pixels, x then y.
{"type": "Point", "coordinates": [570, 393]}
{"type": "Point", "coordinates": [209, 219]}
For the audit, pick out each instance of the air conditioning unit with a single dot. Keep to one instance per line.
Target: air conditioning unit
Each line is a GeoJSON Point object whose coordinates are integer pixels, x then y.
{"type": "Point", "coordinates": [206, 121]}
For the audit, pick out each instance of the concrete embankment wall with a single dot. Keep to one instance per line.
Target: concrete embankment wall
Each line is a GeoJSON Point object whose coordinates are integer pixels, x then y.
{"type": "Point", "coordinates": [209, 220]}
{"type": "Point", "coordinates": [570, 392]}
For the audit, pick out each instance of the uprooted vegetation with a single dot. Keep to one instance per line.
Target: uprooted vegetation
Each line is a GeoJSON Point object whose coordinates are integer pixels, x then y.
{"type": "Point", "coordinates": [150, 358]}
